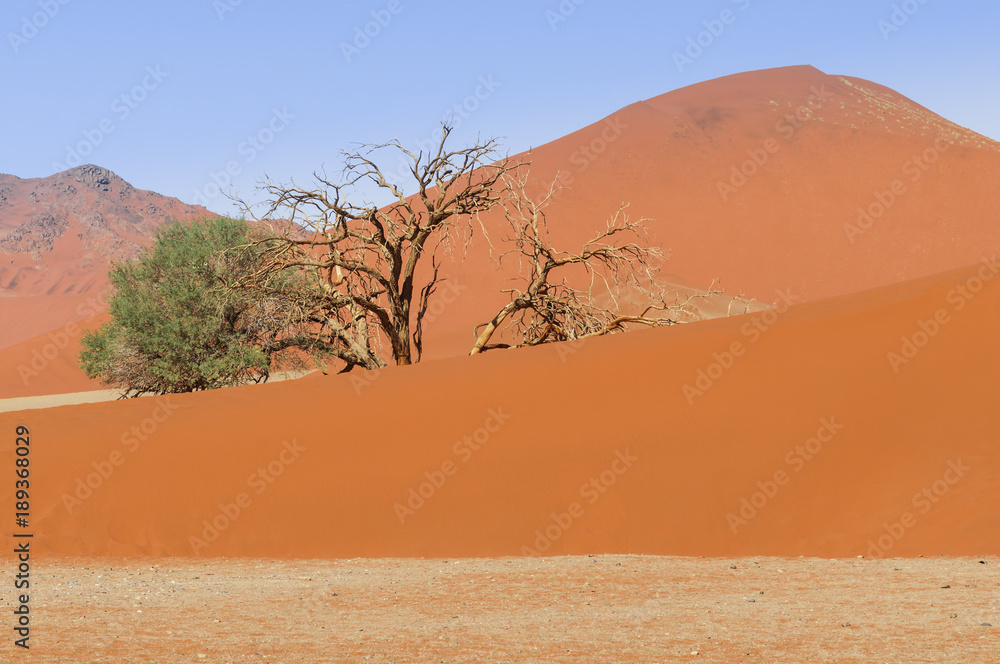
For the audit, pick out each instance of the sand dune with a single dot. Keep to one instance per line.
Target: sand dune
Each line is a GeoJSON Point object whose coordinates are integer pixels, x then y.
{"type": "Point", "coordinates": [783, 178]}
{"type": "Point", "coordinates": [48, 364]}
{"type": "Point", "coordinates": [843, 427]}
{"type": "Point", "coordinates": [841, 422]}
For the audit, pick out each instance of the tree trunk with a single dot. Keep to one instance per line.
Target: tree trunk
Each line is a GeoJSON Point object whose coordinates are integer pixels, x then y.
{"type": "Point", "coordinates": [491, 327]}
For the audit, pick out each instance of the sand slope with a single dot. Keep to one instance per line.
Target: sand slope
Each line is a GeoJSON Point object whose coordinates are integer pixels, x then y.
{"type": "Point", "coordinates": [48, 364]}
{"type": "Point", "coordinates": [784, 178]}
{"type": "Point", "coordinates": [760, 178]}
{"type": "Point", "coordinates": [326, 467]}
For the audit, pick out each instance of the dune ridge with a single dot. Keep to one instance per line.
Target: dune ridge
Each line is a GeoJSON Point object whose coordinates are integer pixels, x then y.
{"type": "Point", "coordinates": [843, 427]}
{"type": "Point", "coordinates": [764, 180]}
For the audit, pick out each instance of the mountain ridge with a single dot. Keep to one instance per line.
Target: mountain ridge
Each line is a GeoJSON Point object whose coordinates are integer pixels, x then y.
{"type": "Point", "coordinates": [60, 234]}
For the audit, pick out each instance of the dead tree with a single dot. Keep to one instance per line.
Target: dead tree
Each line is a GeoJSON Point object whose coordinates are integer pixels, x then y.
{"type": "Point", "coordinates": [550, 304]}
{"type": "Point", "coordinates": [366, 282]}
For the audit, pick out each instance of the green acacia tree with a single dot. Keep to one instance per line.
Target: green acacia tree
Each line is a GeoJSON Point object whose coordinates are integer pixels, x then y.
{"type": "Point", "coordinates": [176, 325]}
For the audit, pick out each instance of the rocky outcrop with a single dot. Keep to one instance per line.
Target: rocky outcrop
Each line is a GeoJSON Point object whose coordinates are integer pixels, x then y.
{"type": "Point", "coordinates": [36, 236]}
{"type": "Point", "coordinates": [89, 206]}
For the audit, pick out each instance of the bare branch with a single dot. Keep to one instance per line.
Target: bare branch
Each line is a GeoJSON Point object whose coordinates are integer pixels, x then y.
{"type": "Point", "coordinates": [610, 285]}
{"type": "Point", "coordinates": [361, 262]}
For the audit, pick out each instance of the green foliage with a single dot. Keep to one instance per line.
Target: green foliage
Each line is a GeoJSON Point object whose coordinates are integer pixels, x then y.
{"type": "Point", "coordinates": [178, 324]}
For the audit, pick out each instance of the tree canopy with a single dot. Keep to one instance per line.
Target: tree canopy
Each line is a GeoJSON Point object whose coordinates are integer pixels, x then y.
{"type": "Point", "coordinates": [176, 327]}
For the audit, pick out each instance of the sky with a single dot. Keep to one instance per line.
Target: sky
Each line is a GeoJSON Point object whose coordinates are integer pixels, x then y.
{"type": "Point", "coordinates": [193, 98]}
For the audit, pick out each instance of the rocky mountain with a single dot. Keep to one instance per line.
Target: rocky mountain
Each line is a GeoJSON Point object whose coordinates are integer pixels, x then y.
{"type": "Point", "coordinates": [58, 236]}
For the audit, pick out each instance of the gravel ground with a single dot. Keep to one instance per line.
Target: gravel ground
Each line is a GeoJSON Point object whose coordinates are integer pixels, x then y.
{"type": "Point", "coordinates": [575, 609]}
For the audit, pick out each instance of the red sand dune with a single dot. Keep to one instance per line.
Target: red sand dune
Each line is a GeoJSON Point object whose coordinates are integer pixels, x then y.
{"type": "Point", "coordinates": [30, 318]}
{"type": "Point", "coordinates": [845, 426]}
{"type": "Point", "coordinates": [567, 450]}
{"type": "Point", "coordinates": [48, 364]}
{"type": "Point", "coordinates": [785, 227]}
{"type": "Point", "coordinates": [826, 146]}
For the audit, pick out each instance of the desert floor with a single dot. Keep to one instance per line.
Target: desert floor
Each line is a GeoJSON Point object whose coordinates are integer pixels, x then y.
{"type": "Point", "coordinates": [571, 609]}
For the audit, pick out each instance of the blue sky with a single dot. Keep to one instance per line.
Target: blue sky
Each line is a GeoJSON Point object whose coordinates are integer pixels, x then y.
{"type": "Point", "coordinates": [168, 95]}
